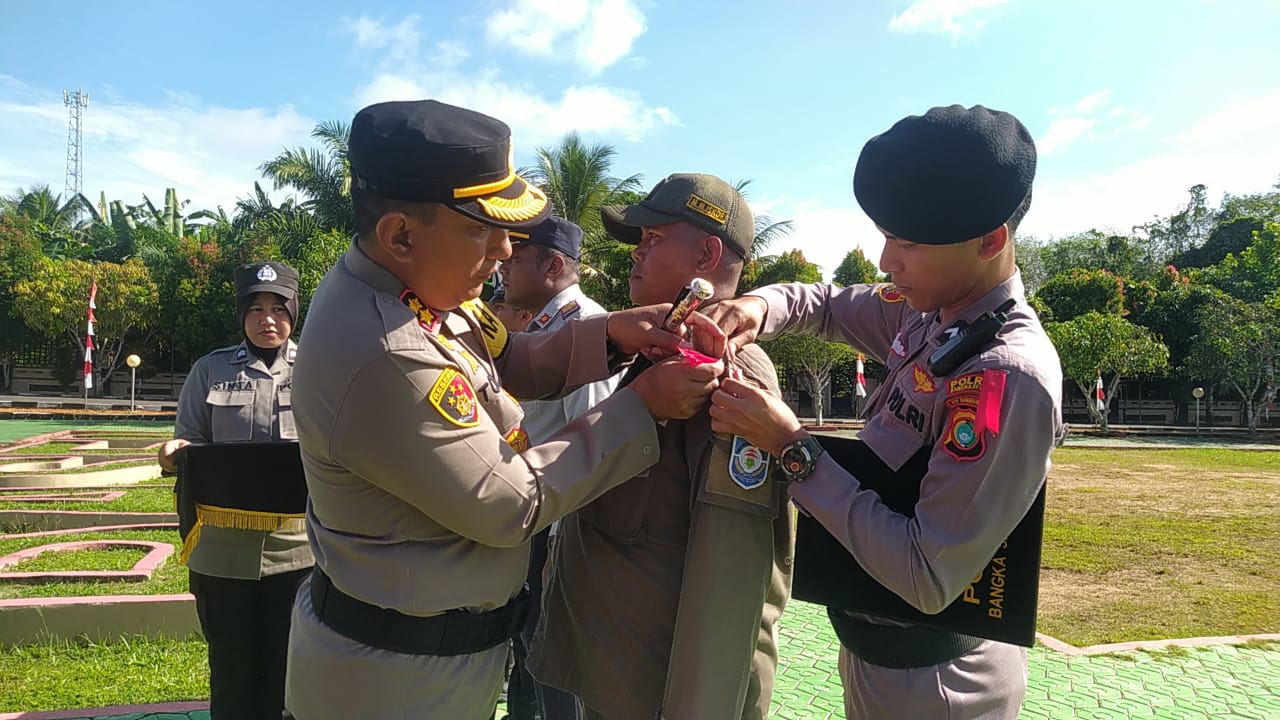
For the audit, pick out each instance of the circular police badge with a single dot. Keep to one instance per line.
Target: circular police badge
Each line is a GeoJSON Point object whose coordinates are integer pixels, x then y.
{"type": "Point", "coordinates": [266, 273]}
{"type": "Point", "coordinates": [965, 436]}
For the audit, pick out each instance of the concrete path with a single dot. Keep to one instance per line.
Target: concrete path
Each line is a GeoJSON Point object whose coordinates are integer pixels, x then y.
{"type": "Point", "coordinates": [1195, 683]}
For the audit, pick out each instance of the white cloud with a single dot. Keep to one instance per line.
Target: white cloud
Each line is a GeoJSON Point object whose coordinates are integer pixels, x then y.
{"type": "Point", "coordinates": [956, 18]}
{"type": "Point", "coordinates": [1062, 132]}
{"type": "Point", "coordinates": [450, 54]}
{"type": "Point", "coordinates": [593, 33]}
{"type": "Point", "coordinates": [824, 234]}
{"type": "Point", "coordinates": [1079, 120]}
{"type": "Point", "coordinates": [400, 40]}
{"type": "Point", "coordinates": [210, 154]}
{"type": "Point", "coordinates": [1233, 150]}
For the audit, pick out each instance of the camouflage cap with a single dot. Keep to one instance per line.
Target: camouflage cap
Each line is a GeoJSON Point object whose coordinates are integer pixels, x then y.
{"type": "Point", "coordinates": [704, 201]}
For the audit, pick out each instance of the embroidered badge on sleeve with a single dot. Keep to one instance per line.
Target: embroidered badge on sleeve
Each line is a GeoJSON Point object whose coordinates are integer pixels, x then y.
{"type": "Point", "coordinates": [748, 464]}
{"type": "Point", "coordinates": [518, 439]}
{"type": "Point", "coordinates": [975, 401]}
{"type": "Point", "coordinates": [453, 397]}
{"type": "Point", "coordinates": [494, 332]}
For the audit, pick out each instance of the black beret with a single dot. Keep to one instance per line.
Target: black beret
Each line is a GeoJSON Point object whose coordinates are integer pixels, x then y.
{"type": "Point", "coordinates": [272, 277]}
{"type": "Point", "coordinates": [950, 175]}
{"type": "Point", "coordinates": [554, 232]}
{"type": "Point", "coordinates": [427, 151]}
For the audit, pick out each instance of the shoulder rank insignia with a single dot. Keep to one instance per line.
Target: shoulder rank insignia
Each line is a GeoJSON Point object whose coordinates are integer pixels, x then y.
{"type": "Point", "coordinates": [924, 383]}
{"type": "Point", "coordinates": [241, 353]}
{"type": "Point", "coordinates": [889, 293]}
{"type": "Point", "coordinates": [570, 309]}
{"type": "Point", "coordinates": [491, 328]}
{"type": "Point", "coordinates": [543, 319]}
{"type": "Point", "coordinates": [748, 464]}
{"type": "Point", "coordinates": [428, 318]}
{"type": "Point", "coordinates": [453, 397]}
{"type": "Point", "coordinates": [518, 439]}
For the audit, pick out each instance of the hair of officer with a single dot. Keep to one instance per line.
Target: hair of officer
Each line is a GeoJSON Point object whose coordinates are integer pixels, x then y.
{"type": "Point", "coordinates": [1016, 218]}
{"type": "Point", "coordinates": [571, 266]}
{"type": "Point", "coordinates": [369, 208]}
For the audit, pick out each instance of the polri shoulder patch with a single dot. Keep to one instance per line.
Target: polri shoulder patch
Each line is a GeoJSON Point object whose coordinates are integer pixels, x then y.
{"type": "Point", "coordinates": [453, 397]}
{"type": "Point", "coordinates": [518, 439]}
{"type": "Point", "coordinates": [748, 464]}
{"type": "Point", "coordinates": [889, 293]}
{"type": "Point", "coordinates": [491, 328]}
{"type": "Point", "coordinates": [964, 439]}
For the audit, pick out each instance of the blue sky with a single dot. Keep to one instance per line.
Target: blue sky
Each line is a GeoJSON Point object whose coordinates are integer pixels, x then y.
{"type": "Point", "coordinates": [1130, 102]}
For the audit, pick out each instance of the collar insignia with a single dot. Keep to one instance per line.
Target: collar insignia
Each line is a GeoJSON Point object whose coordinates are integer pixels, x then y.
{"type": "Point", "coordinates": [428, 318]}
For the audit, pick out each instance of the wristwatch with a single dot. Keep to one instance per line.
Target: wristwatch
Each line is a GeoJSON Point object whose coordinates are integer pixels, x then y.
{"type": "Point", "coordinates": [800, 457]}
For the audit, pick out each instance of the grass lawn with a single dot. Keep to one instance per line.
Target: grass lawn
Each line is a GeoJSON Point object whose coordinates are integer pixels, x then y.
{"type": "Point", "coordinates": [1154, 544]}
{"type": "Point", "coordinates": [11, 430]}
{"type": "Point", "coordinates": [63, 675]}
{"type": "Point", "coordinates": [115, 559]}
{"type": "Point", "coordinates": [168, 579]}
{"type": "Point", "coordinates": [135, 499]}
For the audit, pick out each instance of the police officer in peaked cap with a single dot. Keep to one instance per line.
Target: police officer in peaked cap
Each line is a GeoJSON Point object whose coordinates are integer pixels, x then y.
{"type": "Point", "coordinates": [424, 490]}
{"type": "Point", "coordinates": [973, 426]}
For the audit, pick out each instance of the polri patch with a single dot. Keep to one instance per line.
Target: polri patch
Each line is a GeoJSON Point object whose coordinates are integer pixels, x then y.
{"type": "Point", "coordinates": [889, 293]}
{"type": "Point", "coordinates": [964, 438]}
{"type": "Point", "coordinates": [518, 439]}
{"type": "Point", "coordinates": [748, 464]}
{"type": "Point", "coordinates": [453, 397]}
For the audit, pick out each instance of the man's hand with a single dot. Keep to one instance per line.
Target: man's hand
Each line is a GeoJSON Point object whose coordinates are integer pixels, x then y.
{"type": "Point", "coordinates": [764, 420]}
{"type": "Point", "coordinates": [673, 389]}
{"type": "Point", "coordinates": [740, 318]}
{"type": "Point", "coordinates": [639, 330]}
{"type": "Point", "coordinates": [167, 455]}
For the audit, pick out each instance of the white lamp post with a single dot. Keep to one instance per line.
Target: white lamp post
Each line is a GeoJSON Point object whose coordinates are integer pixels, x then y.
{"type": "Point", "coordinates": [133, 361]}
{"type": "Point", "coordinates": [1197, 393]}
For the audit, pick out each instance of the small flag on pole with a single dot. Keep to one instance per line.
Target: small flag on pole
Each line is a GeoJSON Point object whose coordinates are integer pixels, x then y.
{"type": "Point", "coordinates": [860, 389]}
{"type": "Point", "coordinates": [88, 338]}
{"type": "Point", "coordinates": [1100, 395]}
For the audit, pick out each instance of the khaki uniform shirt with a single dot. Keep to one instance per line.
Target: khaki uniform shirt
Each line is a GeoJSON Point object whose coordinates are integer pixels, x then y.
{"type": "Point", "coordinates": [230, 395]}
{"type": "Point", "coordinates": [544, 417]}
{"type": "Point", "coordinates": [662, 599]}
{"type": "Point", "coordinates": [990, 424]}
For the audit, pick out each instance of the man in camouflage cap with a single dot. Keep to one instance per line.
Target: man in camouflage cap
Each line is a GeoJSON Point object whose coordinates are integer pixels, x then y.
{"type": "Point", "coordinates": [424, 491]}
{"type": "Point", "coordinates": [973, 426]}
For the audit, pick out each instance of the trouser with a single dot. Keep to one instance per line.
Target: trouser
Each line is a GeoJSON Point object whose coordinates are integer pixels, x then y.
{"type": "Point", "coordinates": [246, 625]}
{"type": "Point", "coordinates": [528, 699]}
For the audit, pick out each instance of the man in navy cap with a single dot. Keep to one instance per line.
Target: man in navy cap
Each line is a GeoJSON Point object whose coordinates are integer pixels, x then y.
{"type": "Point", "coordinates": [424, 491]}
{"type": "Point", "coordinates": [542, 277]}
{"type": "Point", "coordinates": [947, 190]}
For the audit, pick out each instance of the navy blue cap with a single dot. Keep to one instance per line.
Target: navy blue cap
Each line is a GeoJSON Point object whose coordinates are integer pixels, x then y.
{"type": "Point", "coordinates": [950, 175]}
{"type": "Point", "coordinates": [554, 232]}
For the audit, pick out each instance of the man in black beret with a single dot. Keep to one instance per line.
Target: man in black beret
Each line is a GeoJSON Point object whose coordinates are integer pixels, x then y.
{"type": "Point", "coordinates": [969, 410]}
{"type": "Point", "coordinates": [424, 490]}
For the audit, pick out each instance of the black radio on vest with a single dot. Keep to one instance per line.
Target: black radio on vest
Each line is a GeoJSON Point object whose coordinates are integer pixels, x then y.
{"type": "Point", "coordinates": [967, 339]}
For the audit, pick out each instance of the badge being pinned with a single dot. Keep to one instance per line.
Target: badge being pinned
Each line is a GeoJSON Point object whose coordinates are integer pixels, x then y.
{"type": "Point", "coordinates": [748, 464]}
{"type": "Point", "coordinates": [453, 397]}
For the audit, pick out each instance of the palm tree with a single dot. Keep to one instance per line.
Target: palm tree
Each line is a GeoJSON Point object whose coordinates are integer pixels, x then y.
{"type": "Point", "coordinates": [323, 176]}
{"type": "Point", "coordinates": [61, 227]}
{"type": "Point", "coordinates": [767, 231]}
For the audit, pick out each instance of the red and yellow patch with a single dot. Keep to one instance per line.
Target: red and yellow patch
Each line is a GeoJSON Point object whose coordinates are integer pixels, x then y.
{"type": "Point", "coordinates": [889, 293]}
{"type": "Point", "coordinates": [518, 439]}
{"type": "Point", "coordinates": [568, 310]}
{"type": "Point", "coordinates": [544, 318]}
{"type": "Point", "coordinates": [924, 382]}
{"type": "Point", "coordinates": [975, 401]}
{"type": "Point", "coordinates": [428, 318]}
{"type": "Point", "coordinates": [453, 397]}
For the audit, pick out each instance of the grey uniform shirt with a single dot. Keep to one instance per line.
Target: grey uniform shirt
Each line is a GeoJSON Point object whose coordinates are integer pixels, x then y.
{"type": "Point", "coordinates": [990, 426]}
{"type": "Point", "coordinates": [230, 395]}
{"type": "Point", "coordinates": [544, 417]}
{"type": "Point", "coordinates": [420, 499]}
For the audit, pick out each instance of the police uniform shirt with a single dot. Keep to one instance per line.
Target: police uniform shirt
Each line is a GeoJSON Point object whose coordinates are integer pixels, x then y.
{"type": "Point", "coordinates": [650, 582]}
{"type": "Point", "coordinates": [991, 425]}
{"type": "Point", "coordinates": [544, 417]}
{"type": "Point", "coordinates": [423, 496]}
{"type": "Point", "coordinates": [231, 395]}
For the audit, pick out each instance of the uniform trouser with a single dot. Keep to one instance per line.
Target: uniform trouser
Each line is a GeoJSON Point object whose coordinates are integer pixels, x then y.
{"type": "Point", "coordinates": [986, 683]}
{"type": "Point", "coordinates": [527, 698]}
{"type": "Point", "coordinates": [246, 624]}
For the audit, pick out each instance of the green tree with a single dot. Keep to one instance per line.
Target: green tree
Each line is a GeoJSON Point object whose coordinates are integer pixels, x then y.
{"type": "Point", "coordinates": [791, 266]}
{"type": "Point", "coordinates": [856, 269]}
{"type": "Point", "coordinates": [1188, 228]}
{"type": "Point", "coordinates": [1120, 255]}
{"type": "Point", "coordinates": [809, 361]}
{"type": "Point", "coordinates": [54, 301]}
{"type": "Point", "coordinates": [1078, 291]}
{"type": "Point", "coordinates": [1229, 238]}
{"type": "Point", "coordinates": [61, 228]}
{"type": "Point", "coordinates": [1096, 343]}
{"type": "Point", "coordinates": [1241, 342]}
{"type": "Point", "coordinates": [1254, 274]}
{"type": "Point", "coordinates": [20, 254]}
{"type": "Point", "coordinates": [322, 175]}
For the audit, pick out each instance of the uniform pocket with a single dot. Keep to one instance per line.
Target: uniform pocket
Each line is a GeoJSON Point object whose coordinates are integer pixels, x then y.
{"type": "Point", "coordinates": [620, 513]}
{"type": "Point", "coordinates": [232, 414]}
{"type": "Point", "coordinates": [284, 413]}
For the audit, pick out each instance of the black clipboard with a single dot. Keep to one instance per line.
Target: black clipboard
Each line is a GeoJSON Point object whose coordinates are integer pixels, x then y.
{"type": "Point", "coordinates": [257, 476]}
{"type": "Point", "coordinates": [999, 605]}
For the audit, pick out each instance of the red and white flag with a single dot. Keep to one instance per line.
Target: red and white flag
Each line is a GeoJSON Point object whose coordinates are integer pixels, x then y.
{"type": "Point", "coordinates": [88, 338]}
{"type": "Point", "coordinates": [1100, 395]}
{"type": "Point", "coordinates": [860, 388]}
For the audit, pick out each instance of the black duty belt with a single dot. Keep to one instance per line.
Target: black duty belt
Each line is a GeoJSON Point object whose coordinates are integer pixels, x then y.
{"type": "Point", "coordinates": [894, 646]}
{"type": "Point", "coordinates": [457, 632]}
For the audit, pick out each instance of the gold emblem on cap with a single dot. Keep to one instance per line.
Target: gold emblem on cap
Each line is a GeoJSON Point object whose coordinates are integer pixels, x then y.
{"type": "Point", "coordinates": [704, 207]}
{"type": "Point", "coordinates": [526, 207]}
